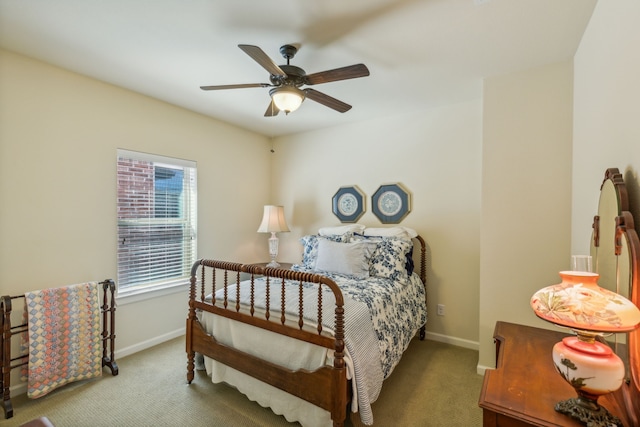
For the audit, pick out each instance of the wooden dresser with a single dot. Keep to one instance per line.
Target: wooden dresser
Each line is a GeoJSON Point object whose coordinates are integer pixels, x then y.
{"type": "Point", "coordinates": [524, 387]}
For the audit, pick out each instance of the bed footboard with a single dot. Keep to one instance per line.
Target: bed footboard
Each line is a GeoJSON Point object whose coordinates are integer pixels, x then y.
{"type": "Point", "coordinates": [326, 387]}
{"type": "Point", "coordinates": [7, 330]}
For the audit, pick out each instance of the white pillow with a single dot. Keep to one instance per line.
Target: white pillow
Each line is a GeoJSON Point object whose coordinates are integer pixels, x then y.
{"type": "Point", "coordinates": [411, 232]}
{"type": "Point", "coordinates": [345, 258]}
{"type": "Point", "coordinates": [402, 232]}
{"type": "Point", "coordinates": [341, 229]}
{"type": "Point", "coordinates": [310, 247]}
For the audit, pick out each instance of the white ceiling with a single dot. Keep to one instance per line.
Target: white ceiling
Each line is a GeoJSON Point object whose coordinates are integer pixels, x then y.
{"type": "Point", "coordinates": [421, 53]}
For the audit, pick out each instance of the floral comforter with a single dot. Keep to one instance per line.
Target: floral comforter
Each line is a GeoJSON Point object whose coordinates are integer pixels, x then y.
{"type": "Point", "coordinates": [397, 311]}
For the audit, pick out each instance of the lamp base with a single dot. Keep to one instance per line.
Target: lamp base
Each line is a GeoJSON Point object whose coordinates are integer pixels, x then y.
{"type": "Point", "coordinates": [588, 412]}
{"type": "Point", "coordinates": [273, 250]}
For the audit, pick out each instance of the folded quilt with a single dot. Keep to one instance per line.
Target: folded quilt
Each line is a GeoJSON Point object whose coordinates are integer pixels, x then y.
{"type": "Point", "coordinates": [64, 336]}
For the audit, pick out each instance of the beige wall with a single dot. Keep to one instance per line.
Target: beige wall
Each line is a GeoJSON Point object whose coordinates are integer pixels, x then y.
{"type": "Point", "coordinates": [605, 134]}
{"type": "Point", "coordinates": [59, 133]}
{"type": "Point", "coordinates": [495, 184]}
{"type": "Point", "coordinates": [526, 194]}
{"type": "Point", "coordinates": [606, 129]}
{"type": "Point", "coordinates": [64, 129]}
{"type": "Point", "coordinates": [436, 155]}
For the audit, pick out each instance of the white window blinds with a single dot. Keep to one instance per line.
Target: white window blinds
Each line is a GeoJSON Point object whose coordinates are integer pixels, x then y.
{"type": "Point", "coordinates": [157, 227]}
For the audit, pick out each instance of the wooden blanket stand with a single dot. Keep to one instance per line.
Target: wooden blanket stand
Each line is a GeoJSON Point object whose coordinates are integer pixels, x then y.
{"type": "Point", "coordinates": [107, 309]}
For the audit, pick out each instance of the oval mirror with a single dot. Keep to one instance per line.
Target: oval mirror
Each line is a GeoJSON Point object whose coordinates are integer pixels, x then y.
{"type": "Point", "coordinates": [615, 250]}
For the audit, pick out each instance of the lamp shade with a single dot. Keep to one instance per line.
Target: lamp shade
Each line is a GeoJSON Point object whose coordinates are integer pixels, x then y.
{"type": "Point", "coordinates": [287, 98]}
{"type": "Point", "coordinates": [585, 363]}
{"type": "Point", "coordinates": [273, 220]}
{"type": "Point", "coordinates": [580, 304]}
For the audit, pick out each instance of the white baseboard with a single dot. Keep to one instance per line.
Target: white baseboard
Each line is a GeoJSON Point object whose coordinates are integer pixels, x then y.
{"type": "Point", "coordinates": [473, 345]}
{"type": "Point", "coordinates": [143, 345]}
{"type": "Point", "coordinates": [21, 388]}
{"type": "Point", "coordinates": [480, 369]}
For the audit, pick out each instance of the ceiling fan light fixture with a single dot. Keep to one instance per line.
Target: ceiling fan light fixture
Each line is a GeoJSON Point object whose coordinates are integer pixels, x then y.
{"type": "Point", "coordinates": [287, 80]}
{"type": "Point", "coordinates": [287, 98]}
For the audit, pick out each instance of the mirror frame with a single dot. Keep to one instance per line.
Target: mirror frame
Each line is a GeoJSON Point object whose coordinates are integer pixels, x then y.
{"type": "Point", "coordinates": [625, 243]}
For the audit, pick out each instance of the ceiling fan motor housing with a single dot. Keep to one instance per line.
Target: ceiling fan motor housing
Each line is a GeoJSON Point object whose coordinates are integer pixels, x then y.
{"type": "Point", "coordinates": [295, 76]}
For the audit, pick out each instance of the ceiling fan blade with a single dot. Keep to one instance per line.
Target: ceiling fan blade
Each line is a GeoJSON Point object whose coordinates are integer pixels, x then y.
{"type": "Point", "coordinates": [263, 59]}
{"type": "Point", "coordinates": [344, 73]}
{"type": "Point", "coordinates": [327, 100]}
{"type": "Point", "coordinates": [272, 110]}
{"type": "Point", "coordinates": [239, 86]}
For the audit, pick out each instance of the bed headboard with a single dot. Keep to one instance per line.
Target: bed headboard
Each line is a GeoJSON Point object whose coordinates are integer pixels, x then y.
{"type": "Point", "coordinates": [615, 249]}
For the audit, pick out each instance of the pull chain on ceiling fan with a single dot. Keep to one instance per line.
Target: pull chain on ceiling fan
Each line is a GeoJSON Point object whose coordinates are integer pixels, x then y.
{"type": "Point", "coordinates": [286, 81]}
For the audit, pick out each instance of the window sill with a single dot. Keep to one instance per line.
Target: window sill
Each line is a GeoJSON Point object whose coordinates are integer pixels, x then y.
{"type": "Point", "coordinates": [145, 294]}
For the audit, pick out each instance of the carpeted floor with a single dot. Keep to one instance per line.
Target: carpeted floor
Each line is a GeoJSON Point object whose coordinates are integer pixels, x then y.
{"type": "Point", "coordinates": [435, 384]}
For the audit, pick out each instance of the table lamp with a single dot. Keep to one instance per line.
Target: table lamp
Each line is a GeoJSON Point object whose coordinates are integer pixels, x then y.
{"type": "Point", "coordinates": [583, 360]}
{"type": "Point", "coordinates": [273, 222]}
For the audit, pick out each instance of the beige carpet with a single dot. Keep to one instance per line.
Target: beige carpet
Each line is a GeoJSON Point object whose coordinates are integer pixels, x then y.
{"type": "Point", "coordinates": [435, 385]}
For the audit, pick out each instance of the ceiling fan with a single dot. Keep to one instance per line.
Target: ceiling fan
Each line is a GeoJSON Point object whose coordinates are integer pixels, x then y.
{"type": "Point", "coordinates": [286, 81]}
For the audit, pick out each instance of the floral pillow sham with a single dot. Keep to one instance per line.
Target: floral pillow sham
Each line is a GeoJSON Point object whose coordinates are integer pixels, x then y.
{"type": "Point", "coordinates": [391, 258]}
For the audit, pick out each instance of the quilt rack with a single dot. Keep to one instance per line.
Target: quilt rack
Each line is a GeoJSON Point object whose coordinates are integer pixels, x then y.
{"type": "Point", "coordinates": [107, 310]}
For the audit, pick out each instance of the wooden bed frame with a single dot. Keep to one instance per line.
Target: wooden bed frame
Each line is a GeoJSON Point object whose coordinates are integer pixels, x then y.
{"type": "Point", "coordinates": [7, 330]}
{"type": "Point", "coordinates": [326, 387]}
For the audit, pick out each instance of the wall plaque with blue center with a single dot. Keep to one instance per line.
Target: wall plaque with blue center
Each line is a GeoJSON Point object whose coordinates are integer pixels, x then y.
{"type": "Point", "coordinates": [348, 204]}
{"type": "Point", "coordinates": [391, 203]}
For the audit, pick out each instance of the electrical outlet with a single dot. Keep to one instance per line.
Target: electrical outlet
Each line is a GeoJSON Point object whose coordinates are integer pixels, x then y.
{"type": "Point", "coordinates": [440, 309]}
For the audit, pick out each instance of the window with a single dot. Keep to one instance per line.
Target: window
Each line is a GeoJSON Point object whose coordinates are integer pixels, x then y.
{"type": "Point", "coordinates": [157, 228]}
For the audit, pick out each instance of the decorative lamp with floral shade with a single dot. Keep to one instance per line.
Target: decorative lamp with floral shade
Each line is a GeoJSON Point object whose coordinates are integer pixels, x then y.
{"type": "Point", "coordinates": [585, 361]}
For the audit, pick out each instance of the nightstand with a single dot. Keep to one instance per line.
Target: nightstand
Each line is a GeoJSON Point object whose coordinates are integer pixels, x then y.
{"type": "Point", "coordinates": [283, 265]}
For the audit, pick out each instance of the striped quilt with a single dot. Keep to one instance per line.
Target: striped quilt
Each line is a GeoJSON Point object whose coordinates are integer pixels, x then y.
{"type": "Point", "coordinates": [64, 342]}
